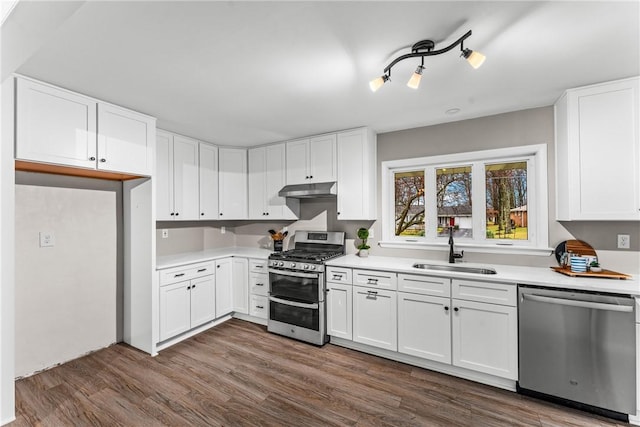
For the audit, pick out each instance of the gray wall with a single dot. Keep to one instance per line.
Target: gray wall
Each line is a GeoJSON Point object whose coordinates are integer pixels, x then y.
{"type": "Point", "coordinates": [68, 297]}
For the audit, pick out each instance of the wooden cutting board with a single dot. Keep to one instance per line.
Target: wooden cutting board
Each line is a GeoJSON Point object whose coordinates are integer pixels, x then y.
{"type": "Point", "coordinates": [604, 274]}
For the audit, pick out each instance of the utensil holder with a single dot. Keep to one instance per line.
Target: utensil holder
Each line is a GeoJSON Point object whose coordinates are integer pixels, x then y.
{"type": "Point", "coordinates": [277, 245]}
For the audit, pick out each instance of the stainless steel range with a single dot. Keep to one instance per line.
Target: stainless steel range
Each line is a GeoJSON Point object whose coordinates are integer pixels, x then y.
{"type": "Point", "coordinates": [297, 288]}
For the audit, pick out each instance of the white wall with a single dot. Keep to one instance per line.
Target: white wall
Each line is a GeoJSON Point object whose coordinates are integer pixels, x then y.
{"type": "Point", "coordinates": [65, 302]}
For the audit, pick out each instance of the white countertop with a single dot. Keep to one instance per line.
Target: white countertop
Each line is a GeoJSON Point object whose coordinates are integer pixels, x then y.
{"type": "Point", "coordinates": [505, 274]}
{"type": "Point", "coordinates": [185, 258]}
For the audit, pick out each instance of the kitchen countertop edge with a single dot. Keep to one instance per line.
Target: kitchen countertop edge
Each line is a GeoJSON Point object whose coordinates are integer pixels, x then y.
{"type": "Point", "coordinates": [186, 258]}
{"type": "Point", "coordinates": [509, 274]}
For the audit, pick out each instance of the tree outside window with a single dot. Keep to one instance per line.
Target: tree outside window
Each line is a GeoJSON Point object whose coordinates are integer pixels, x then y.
{"type": "Point", "coordinates": [453, 186]}
{"type": "Point", "coordinates": [507, 214]}
{"type": "Point", "coordinates": [409, 203]}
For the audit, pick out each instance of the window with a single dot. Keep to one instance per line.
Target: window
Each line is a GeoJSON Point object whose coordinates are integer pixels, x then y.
{"type": "Point", "coordinates": [492, 201]}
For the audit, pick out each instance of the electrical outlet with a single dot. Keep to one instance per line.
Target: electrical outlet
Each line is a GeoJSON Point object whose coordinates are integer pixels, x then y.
{"type": "Point", "coordinates": [165, 233]}
{"type": "Point", "coordinates": [47, 239]}
{"type": "Point", "coordinates": [223, 229]}
{"type": "Point", "coordinates": [371, 235]}
{"type": "Point", "coordinates": [623, 241]}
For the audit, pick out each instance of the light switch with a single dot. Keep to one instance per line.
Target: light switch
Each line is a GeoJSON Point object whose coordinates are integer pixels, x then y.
{"type": "Point", "coordinates": [47, 239]}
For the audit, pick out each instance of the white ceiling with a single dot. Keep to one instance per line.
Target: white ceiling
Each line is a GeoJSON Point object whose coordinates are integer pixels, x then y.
{"type": "Point", "coordinates": [247, 73]}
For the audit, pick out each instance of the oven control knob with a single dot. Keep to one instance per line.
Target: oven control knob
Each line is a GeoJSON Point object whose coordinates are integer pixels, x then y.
{"type": "Point", "coordinates": [293, 265]}
{"type": "Point", "coordinates": [313, 267]}
{"type": "Point", "coordinates": [280, 264]}
{"type": "Point", "coordinates": [306, 266]}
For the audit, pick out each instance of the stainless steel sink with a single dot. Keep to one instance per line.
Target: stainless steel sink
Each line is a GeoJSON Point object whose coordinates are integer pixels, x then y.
{"type": "Point", "coordinates": [455, 268]}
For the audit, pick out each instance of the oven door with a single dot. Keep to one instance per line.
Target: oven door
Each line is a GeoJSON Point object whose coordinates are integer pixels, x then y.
{"type": "Point", "coordinates": [304, 315]}
{"type": "Point", "coordinates": [296, 286]}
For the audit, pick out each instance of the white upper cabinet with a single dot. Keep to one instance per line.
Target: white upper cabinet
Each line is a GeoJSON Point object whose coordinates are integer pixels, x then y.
{"type": "Point", "coordinates": [598, 152]}
{"type": "Point", "coordinates": [177, 196]}
{"type": "Point", "coordinates": [125, 140]}
{"type": "Point", "coordinates": [266, 179]}
{"type": "Point", "coordinates": [356, 155]}
{"type": "Point", "coordinates": [61, 127]}
{"type": "Point", "coordinates": [54, 125]}
{"type": "Point", "coordinates": [208, 181]}
{"type": "Point", "coordinates": [233, 183]}
{"type": "Point", "coordinates": [311, 160]}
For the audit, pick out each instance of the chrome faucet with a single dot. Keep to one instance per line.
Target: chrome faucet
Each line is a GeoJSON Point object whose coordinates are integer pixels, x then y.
{"type": "Point", "coordinates": [453, 255]}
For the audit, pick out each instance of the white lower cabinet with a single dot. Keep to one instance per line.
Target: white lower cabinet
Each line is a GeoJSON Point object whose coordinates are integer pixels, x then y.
{"type": "Point", "coordinates": [240, 274]}
{"type": "Point", "coordinates": [375, 317]}
{"type": "Point", "coordinates": [224, 286]}
{"type": "Point", "coordinates": [258, 288]}
{"type": "Point", "coordinates": [469, 324]}
{"type": "Point", "coordinates": [339, 310]}
{"type": "Point", "coordinates": [424, 326]}
{"type": "Point", "coordinates": [485, 338]}
{"type": "Point", "coordinates": [187, 298]}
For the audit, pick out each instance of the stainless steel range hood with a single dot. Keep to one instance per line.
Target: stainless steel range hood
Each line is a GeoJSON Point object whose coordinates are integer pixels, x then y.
{"type": "Point", "coordinates": [309, 191]}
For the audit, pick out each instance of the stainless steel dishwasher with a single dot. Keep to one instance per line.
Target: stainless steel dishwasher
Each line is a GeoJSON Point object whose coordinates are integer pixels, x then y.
{"type": "Point", "coordinates": [578, 347]}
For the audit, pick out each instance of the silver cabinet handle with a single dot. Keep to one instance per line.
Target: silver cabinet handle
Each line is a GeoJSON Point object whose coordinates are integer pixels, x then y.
{"type": "Point", "coordinates": [578, 303]}
{"type": "Point", "coordinates": [372, 281]}
{"type": "Point", "coordinates": [201, 270]}
{"type": "Point", "coordinates": [337, 277]}
{"type": "Point", "coordinates": [178, 275]}
{"type": "Point", "coordinates": [259, 284]}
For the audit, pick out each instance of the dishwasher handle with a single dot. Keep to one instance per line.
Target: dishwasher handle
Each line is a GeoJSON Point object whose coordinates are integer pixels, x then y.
{"type": "Point", "coordinates": [578, 303]}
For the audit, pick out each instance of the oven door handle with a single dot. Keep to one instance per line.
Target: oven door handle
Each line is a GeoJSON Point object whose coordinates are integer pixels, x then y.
{"type": "Point", "coordinates": [294, 304]}
{"type": "Point", "coordinates": [295, 273]}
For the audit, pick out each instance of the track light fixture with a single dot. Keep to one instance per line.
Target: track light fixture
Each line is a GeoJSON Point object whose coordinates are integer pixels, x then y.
{"type": "Point", "coordinates": [425, 48]}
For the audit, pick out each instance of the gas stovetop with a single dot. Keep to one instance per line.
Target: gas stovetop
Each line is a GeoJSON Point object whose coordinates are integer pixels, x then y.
{"type": "Point", "coordinates": [306, 255]}
{"type": "Point", "coordinates": [312, 249]}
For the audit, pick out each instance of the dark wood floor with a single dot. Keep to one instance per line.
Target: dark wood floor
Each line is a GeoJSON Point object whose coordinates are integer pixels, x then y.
{"type": "Point", "coordinates": [237, 374]}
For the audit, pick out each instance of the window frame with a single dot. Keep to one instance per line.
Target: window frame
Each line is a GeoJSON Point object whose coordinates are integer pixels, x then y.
{"type": "Point", "coordinates": [537, 201]}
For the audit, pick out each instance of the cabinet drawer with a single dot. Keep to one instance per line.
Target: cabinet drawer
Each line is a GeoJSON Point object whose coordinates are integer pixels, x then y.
{"type": "Point", "coordinates": [259, 306]}
{"type": "Point", "coordinates": [259, 284]}
{"type": "Point", "coordinates": [493, 293]}
{"type": "Point", "coordinates": [339, 275]}
{"type": "Point", "coordinates": [426, 285]}
{"type": "Point", "coordinates": [375, 279]}
{"type": "Point", "coordinates": [257, 265]}
{"type": "Point", "coordinates": [186, 272]}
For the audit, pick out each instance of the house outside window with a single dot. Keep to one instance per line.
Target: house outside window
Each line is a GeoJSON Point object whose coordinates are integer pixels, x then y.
{"type": "Point", "coordinates": [492, 201]}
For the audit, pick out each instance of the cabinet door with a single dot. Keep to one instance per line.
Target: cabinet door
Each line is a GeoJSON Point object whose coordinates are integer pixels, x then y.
{"type": "Point", "coordinates": [485, 338]}
{"type": "Point", "coordinates": [257, 184]}
{"type": "Point", "coordinates": [297, 158]}
{"type": "Point", "coordinates": [609, 144]}
{"type": "Point", "coordinates": [424, 326]}
{"type": "Point", "coordinates": [375, 318]}
{"type": "Point", "coordinates": [224, 287]}
{"type": "Point", "coordinates": [175, 311]}
{"type": "Point", "coordinates": [277, 207]}
{"type": "Point", "coordinates": [339, 311]}
{"type": "Point", "coordinates": [240, 285]}
{"type": "Point", "coordinates": [124, 140]}
{"type": "Point", "coordinates": [164, 176]}
{"type": "Point", "coordinates": [208, 188]}
{"type": "Point", "coordinates": [233, 183]}
{"type": "Point", "coordinates": [322, 158]}
{"type": "Point", "coordinates": [185, 178]}
{"type": "Point", "coordinates": [356, 157]}
{"type": "Point", "coordinates": [54, 126]}
{"type": "Point", "coordinates": [203, 300]}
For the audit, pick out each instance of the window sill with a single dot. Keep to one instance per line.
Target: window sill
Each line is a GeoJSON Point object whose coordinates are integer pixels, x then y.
{"type": "Point", "coordinates": [487, 249]}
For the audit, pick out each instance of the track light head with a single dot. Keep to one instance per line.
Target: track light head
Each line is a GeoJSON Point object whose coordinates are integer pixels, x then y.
{"type": "Point", "coordinates": [377, 83]}
{"type": "Point", "coordinates": [414, 81]}
{"type": "Point", "coordinates": [474, 58]}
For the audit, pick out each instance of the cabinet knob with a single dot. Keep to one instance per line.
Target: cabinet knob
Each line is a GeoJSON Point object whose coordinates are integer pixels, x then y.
{"type": "Point", "coordinates": [92, 158]}
{"type": "Point", "coordinates": [188, 287]}
{"type": "Point", "coordinates": [310, 176]}
{"type": "Point", "coordinates": [306, 177]}
{"type": "Point", "coordinates": [455, 309]}
{"type": "Point", "coordinates": [177, 213]}
{"type": "Point", "coordinates": [201, 213]}
{"type": "Point", "coordinates": [103, 160]}
{"type": "Point", "coordinates": [193, 286]}
{"type": "Point", "coordinates": [172, 214]}
{"type": "Point", "coordinates": [217, 266]}
{"type": "Point", "coordinates": [338, 213]}
{"type": "Point", "coordinates": [220, 213]}
{"type": "Point", "coordinates": [446, 308]}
